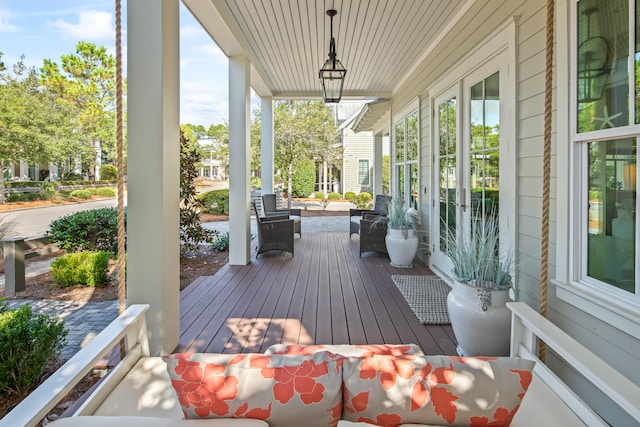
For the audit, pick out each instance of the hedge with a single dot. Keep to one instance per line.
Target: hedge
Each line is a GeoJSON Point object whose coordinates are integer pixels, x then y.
{"type": "Point", "coordinates": [81, 268]}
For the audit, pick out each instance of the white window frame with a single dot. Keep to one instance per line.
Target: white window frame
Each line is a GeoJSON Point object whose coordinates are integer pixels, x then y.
{"type": "Point", "coordinates": [360, 159]}
{"type": "Point", "coordinates": [402, 116]}
{"type": "Point", "coordinates": [613, 306]}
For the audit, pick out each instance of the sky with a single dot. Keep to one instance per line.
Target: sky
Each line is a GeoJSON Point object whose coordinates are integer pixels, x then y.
{"type": "Point", "coordinates": [40, 29]}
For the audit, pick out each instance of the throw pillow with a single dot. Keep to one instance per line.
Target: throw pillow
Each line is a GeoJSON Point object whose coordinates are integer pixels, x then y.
{"type": "Point", "coordinates": [435, 390]}
{"type": "Point", "coordinates": [280, 389]}
{"type": "Point", "coordinates": [346, 349]}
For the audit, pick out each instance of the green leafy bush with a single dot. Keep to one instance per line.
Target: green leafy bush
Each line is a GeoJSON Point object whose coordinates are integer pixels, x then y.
{"type": "Point", "coordinates": [22, 184]}
{"type": "Point", "coordinates": [363, 200]}
{"type": "Point", "coordinates": [349, 195]}
{"type": "Point", "coordinates": [81, 268]}
{"type": "Point", "coordinates": [106, 192]}
{"type": "Point", "coordinates": [108, 172]}
{"type": "Point", "coordinates": [318, 195]}
{"type": "Point", "coordinates": [28, 342]}
{"type": "Point", "coordinates": [215, 202]}
{"type": "Point", "coordinates": [255, 182]}
{"type": "Point", "coordinates": [93, 230]}
{"type": "Point", "coordinates": [80, 194]}
{"type": "Point", "coordinates": [303, 180]}
{"type": "Point", "coordinates": [334, 196]}
{"type": "Point", "coordinates": [72, 176]}
{"type": "Point", "coordinates": [221, 243]}
{"type": "Point", "coordinates": [92, 190]}
{"type": "Point", "coordinates": [48, 190]}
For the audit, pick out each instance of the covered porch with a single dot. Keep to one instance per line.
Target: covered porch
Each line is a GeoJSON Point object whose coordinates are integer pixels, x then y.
{"type": "Point", "coordinates": [325, 294]}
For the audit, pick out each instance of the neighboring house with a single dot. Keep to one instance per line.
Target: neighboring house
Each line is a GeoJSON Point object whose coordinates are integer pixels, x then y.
{"type": "Point", "coordinates": [358, 156]}
{"type": "Point", "coordinates": [465, 89]}
{"type": "Point", "coordinates": [31, 171]}
{"type": "Point", "coordinates": [210, 167]}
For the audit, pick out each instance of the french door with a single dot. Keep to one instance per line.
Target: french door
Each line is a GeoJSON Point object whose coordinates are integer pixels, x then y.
{"type": "Point", "coordinates": [468, 144]}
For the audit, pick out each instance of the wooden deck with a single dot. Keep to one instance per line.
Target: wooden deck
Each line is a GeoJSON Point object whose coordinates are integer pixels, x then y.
{"type": "Point", "coordinates": [325, 294]}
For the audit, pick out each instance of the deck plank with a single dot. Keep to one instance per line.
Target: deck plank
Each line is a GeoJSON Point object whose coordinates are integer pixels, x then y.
{"type": "Point", "coordinates": [327, 293]}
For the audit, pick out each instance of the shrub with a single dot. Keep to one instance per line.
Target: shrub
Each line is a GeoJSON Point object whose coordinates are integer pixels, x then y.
{"type": "Point", "coordinates": [215, 202]}
{"type": "Point", "coordinates": [80, 194]}
{"type": "Point", "coordinates": [334, 196]}
{"type": "Point", "coordinates": [108, 173]}
{"type": "Point", "coordinates": [221, 243]}
{"type": "Point", "coordinates": [16, 197]}
{"type": "Point", "coordinates": [363, 200]}
{"type": "Point", "coordinates": [93, 230]}
{"type": "Point", "coordinates": [106, 192]}
{"type": "Point", "coordinates": [48, 190]}
{"type": "Point", "coordinates": [72, 176]}
{"type": "Point", "coordinates": [28, 342]}
{"type": "Point", "coordinates": [92, 190]}
{"type": "Point", "coordinates": [349, 195]}
{"type": "Point", "coordinates": [304, 179]}
{"type": "Point", "coordinates": [81, 268]}
{"type": "Point", "coordinates": [318, 195]}
{"type": "Point", "coordinates": [256, 182]}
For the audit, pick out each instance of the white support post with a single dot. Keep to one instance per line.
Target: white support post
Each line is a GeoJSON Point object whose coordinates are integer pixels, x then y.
{"type": "Point", "coordinates": [377, 163]}
{"type": "Point", "coordinates": [239, 192]}
{"type": "Point", "coordinates": [153, 236]}
{"type": "Point", "coordinates": [266, 144]}
{"type": "Point", "coordinates": [324, 179]}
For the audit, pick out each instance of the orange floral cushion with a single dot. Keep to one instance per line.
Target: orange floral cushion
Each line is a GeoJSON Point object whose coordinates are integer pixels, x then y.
{"type": "Point", "coordinates": [435, 390]}
{"type": "Point", "coordinates": [280, 389]}
{"type": "Point", "coordinates": [346, 349]}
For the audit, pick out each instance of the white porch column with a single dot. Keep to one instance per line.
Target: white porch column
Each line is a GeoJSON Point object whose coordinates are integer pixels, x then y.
{"type": "Point", "coordinates": [239, 193]}
{"type": "Point", "coordinates": [153, 237]}
{"type": "Point", "coordinates": [377, 164]}
{"type": "Point", "coordinates": [266, 144]}
{"type": "Point", "coordinates": [324, 179]}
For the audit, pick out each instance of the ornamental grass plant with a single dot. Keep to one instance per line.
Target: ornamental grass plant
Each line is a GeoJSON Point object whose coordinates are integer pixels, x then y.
{"type": "Point", "coordinates": [476, 259]}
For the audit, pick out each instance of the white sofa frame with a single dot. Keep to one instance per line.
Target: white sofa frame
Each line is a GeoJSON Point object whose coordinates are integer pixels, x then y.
{"type": "Point", "coordinates": [561, 405]}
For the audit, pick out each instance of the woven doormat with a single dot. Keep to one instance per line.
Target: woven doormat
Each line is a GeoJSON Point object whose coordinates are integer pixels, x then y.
{"type": "Point", "coordinates": [427, 297]}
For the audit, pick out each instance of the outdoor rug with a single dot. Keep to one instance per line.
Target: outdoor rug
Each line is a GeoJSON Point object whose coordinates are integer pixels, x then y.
{"type": "Point", "coordinates": [427, 297]}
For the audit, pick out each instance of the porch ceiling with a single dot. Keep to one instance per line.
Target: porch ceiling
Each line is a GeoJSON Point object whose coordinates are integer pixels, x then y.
{"type": "Point", "coordinates": [287, 41]}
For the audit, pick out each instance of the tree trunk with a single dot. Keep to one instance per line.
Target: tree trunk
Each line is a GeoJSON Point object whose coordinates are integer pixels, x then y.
{"type": "Point", "coordinates": [1, 185]}
{"type": "Point", "coordinates": [289, 185]}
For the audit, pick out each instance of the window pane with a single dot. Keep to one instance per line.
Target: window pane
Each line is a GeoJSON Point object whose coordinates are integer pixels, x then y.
{"type": "Point", "coordinates": [612, 212]}
{"type": "Point", "coordinates": [447, 200]}
{"type": "Point", "coordinates": [603, 54]}
{"type": "Point", "coordinates": [413, 185]}
{"type": "Point", "coordinates": [363, 172]}
{"type": "Point", "coordinates": [637, 61]}
{"type": "Point", "coordinates": [412, 137]}
{"type": "Point", "coordinates": [400, 142]}
{"type": "Point", "coordinates": [400, 170]}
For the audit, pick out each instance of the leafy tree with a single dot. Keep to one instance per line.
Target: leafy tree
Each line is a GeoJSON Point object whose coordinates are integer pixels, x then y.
{"type": "Point", "coordinates": [31, 122]}
{"type": "Point", "coordinates": [191, 231]}
{"type": "Point", "coordinates": [85, 84]}
{"type": "Point", "coordinates": [302, 130]}
{"type": "Point", "coordinates": [304, 179]}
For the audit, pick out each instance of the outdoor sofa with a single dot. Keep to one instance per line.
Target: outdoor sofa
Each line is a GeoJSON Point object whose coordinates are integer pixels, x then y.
{"type": "Point", "coordinates": [140, 392]}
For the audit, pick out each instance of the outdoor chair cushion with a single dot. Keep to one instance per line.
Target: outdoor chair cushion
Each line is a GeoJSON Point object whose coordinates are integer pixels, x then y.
{"type": "Point", "coordinates": [346, 349]}
{"type": "Point", "coordinates": [280, 389]}
{"type": "Point", "coordinates": [436, 390]}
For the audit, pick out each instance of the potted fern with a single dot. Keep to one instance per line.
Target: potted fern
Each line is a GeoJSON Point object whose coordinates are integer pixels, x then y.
{"type": "Point", "coordinates": [482, 279]}
{"type": "Point", "coordinates": [401, 239]}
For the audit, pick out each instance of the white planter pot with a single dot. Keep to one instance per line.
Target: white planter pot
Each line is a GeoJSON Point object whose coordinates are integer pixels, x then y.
{"type": "Point", "coordinates": [402, 245]}
{"type": "Point", "coordinates": [480, 320]}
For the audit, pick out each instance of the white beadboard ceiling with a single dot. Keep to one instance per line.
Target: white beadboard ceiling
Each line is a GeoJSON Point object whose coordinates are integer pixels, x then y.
{"type": "Point", "coordinates": [287, 41]}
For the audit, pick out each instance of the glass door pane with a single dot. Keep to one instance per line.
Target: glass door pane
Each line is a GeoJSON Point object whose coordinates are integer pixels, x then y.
{"type": "Point", "coordinates": [484, 153]}
{"type": "Point", "coordinates": [447, 161]}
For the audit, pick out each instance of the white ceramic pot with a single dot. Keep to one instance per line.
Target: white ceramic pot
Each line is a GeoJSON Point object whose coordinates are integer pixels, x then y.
{"type": "Point", "coordinates": [480, 319]}
{"type": "Point", "coordinates": [402, 245]}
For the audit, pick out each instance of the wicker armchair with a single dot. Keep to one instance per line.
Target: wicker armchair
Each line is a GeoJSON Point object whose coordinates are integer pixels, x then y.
{"type": "Point", "coordinates": [372, 233]}
{"type": "Point", "coordinates": [269, 207]}
{"type": "Point", "coordinates": [355, 215]}
{"type": "Point", "coordinates": [275, 233]}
